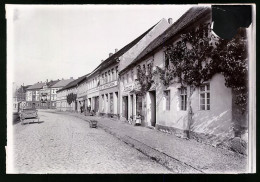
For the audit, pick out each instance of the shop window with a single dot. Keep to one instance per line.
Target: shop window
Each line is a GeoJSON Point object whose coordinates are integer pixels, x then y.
{"type": "Point", "coordinates": [205, 97]}
{"type": "Point", "coordinates": [167, 99]}
{"type": "Point", "coordinates": [183, 97]}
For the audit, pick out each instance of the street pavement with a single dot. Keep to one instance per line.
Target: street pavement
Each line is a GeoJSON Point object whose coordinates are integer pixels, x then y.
{"type": "Point", "coordinates": [177, 154]}
{"type": "Point", "coordinates": [65, 144]}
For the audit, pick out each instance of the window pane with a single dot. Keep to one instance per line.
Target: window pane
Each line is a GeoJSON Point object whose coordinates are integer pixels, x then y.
{"type": "Point", "coordinates": [202, 96]}
{"type": "Point", "coordinates": [208, 95]}
{"type": "Point", "coordinates": [185, 102]}
{"type": "Point", "coordinates": [202, 88]}
{"type": "Point", "coordinates": [208, 107]}
{"type": "Point", "coordinates": [208, 101]}
{"type": "Point", "coordinates": [208, 87]}
{"type": "Point", "coordinates": [202, 107]}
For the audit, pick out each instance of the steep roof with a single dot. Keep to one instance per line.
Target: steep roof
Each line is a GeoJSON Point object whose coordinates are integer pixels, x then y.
{"type": "Point", "coordinates": [74, 83]}
{"type": "Point", "coordinates": [62, 83]}
{"type": "Point", "coordinates": [112, 59]}
{"type": "Point", "coordinates": [38, 85]}
{"type": "Point", "coordinates": [192, 15]}
{"type": "Point", "coordinates": [52, 82]}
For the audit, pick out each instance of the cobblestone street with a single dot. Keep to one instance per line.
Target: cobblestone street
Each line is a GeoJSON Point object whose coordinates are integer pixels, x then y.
{"type": "Point", "coordinates": [65, 144]}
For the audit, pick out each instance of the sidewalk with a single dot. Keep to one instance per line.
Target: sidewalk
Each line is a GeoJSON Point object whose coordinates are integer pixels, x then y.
{"type": "Point", "coordinates": [177, 154]}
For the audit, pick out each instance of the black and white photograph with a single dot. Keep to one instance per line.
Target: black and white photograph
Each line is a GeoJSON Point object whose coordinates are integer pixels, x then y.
{"type": "Point", "coordinates": [131, 89]}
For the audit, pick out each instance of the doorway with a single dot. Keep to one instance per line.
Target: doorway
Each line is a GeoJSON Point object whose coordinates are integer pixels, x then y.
{"type": "Point", "coordinates": [152, 107]}
{"type": "Point", "coordinates": [125, 107]}
{"type": "Point", "coordinates": [96, 104]}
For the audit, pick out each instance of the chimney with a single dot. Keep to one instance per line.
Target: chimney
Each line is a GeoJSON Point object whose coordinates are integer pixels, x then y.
{"type": "Point", "coordinates": [116, 50]}
{"type": "Point", "coordinates": [102, 60]}
{"type": "Point", "coordinates": [47, 81]}
{"type": "Point", "coordinates": [71, 78]}
{"type": "Point", "coordinates": [110, 54]}
{"type": "Point", "coordinates": [170, 21]}
{"type": "Point", "coordinates": [62, 79]}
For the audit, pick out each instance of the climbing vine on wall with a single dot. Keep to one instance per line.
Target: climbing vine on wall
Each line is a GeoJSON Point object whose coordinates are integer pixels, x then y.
{"type": "Point", "coordinates": [198, 55]}
{"type": "Point", "coordinates": [71, 98]}
{"type": "Point", "coordinates": [145, 77]}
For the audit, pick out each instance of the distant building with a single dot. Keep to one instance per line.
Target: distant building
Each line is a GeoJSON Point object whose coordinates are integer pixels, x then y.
{"type": "Point", "coordinates": [54, 88]}
{"type": "Point", "coordinates": [42, 95]}
{"type": "Point", "coordinates": [62, 94]}
{"type": "Point", "coordinates": [33, 95]}
{"type": "Point", "coordinates": [20, 96]}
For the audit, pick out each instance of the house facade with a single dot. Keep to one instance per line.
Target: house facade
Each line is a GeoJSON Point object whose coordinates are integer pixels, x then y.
{"type": "Point", "coordinates": [211, 117]}
{"type": "Point", "coordinates": [54, 88]}
{"type": "Point", "coordinates": [129, 102]}
{"type": "Point", "coordinates": [62, 96]}
{"type": "Point", "coordinates": [33, 95]}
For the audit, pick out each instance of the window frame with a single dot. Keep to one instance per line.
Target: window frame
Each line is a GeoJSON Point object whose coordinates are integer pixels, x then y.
{"type": "Point", "coordinates": [205, 92]}
{"type": "Point", "coordinates": [167, 104]}
{"type": "Point", "coordinates": [183, 94]}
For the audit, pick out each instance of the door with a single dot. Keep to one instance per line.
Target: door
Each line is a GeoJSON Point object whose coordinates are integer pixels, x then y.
{"type": "Point", "coordinates": [96, 104]}
{"type": "Point", "coordinates": [125, 107]}
{"type": "Point", "coordinates": [152, 108]}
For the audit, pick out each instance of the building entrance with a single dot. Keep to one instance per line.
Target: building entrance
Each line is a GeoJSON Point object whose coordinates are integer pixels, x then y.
{"type": "Point", "coordinates": [125, 107]}
{"type": "Point", "coordinates": [152, 107]}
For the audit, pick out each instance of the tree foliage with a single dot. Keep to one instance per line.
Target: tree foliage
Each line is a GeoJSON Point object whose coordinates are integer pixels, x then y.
{"type": "Point", "coordinates": [198, 55]}
{"type": "Point", "coordinates": [71, 98]}
{"type": "Point", "coordinates": [145, 77]}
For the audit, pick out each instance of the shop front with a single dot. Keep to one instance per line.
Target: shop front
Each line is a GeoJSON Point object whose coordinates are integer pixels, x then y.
{"type": "Point", "coordinates": [132, 103]}
{"type": "Point", "coordinates": [93, 100]}
{"type": "Point", "coordinates": [108, 94]}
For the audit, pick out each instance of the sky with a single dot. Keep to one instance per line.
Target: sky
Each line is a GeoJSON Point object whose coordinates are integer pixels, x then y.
{"type": "Point", "coordinates": [62, 41]}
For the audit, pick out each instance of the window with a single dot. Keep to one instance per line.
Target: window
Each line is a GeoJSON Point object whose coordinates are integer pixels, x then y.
{"type": "Point", "coordinates": [116, 76]}
{"type": "Point", "coordinates": [112, 75]}
{"type": "Point", "coordinates": [127, 78]}
{"type": "Point", "coordinates": [108, 80]}
{"type": "Point", "coordinates": [111, 103]}
{"type": "Point", "coordinates": [167, 99]}
{"type": "Point", "coordinates": [166, 61]}
{"type": "Point", "coordinates": [132, 74]}
{"type": "Point", "coordinates": [183, 96]}
{"type": "Point", "coordinates": [105, 77]}
{"type": "Point", "coordinates": [205, 97]}
{"type": "Point", "coordinates": [122, 80]}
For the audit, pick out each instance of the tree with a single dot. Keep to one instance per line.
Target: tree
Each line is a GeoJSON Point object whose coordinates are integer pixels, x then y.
{"type": "Point", "coordinates": [145, 77]}
{"type": "Point", "coordinates": [71, 98]}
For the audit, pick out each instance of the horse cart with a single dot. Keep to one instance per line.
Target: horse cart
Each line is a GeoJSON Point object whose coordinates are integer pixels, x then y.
{"type": "Point", "coordinates": [29, 114]}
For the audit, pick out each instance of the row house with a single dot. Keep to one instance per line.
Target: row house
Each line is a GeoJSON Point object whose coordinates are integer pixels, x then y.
{"type": "Point", "coordinates": [20, 97]}
{"type": "Point", "coordinates": [165, 108]}
{"type": "Point", "coordinates": [128, 108]}
{"type": "Point", "coordinates": [46, 94]}
{"type": "Point", "coordinates": [62, 94]}
{"type": "Point", "coordinates": [54, 88]}
{"type": "Point", "coordinates": [42, 95]}
{"type": "Point", "coordinates": [33, 95]}
{"type": "Point", "coordinates": [82, 94]}
{"type": "Point", "coordinates": [102, 83]}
